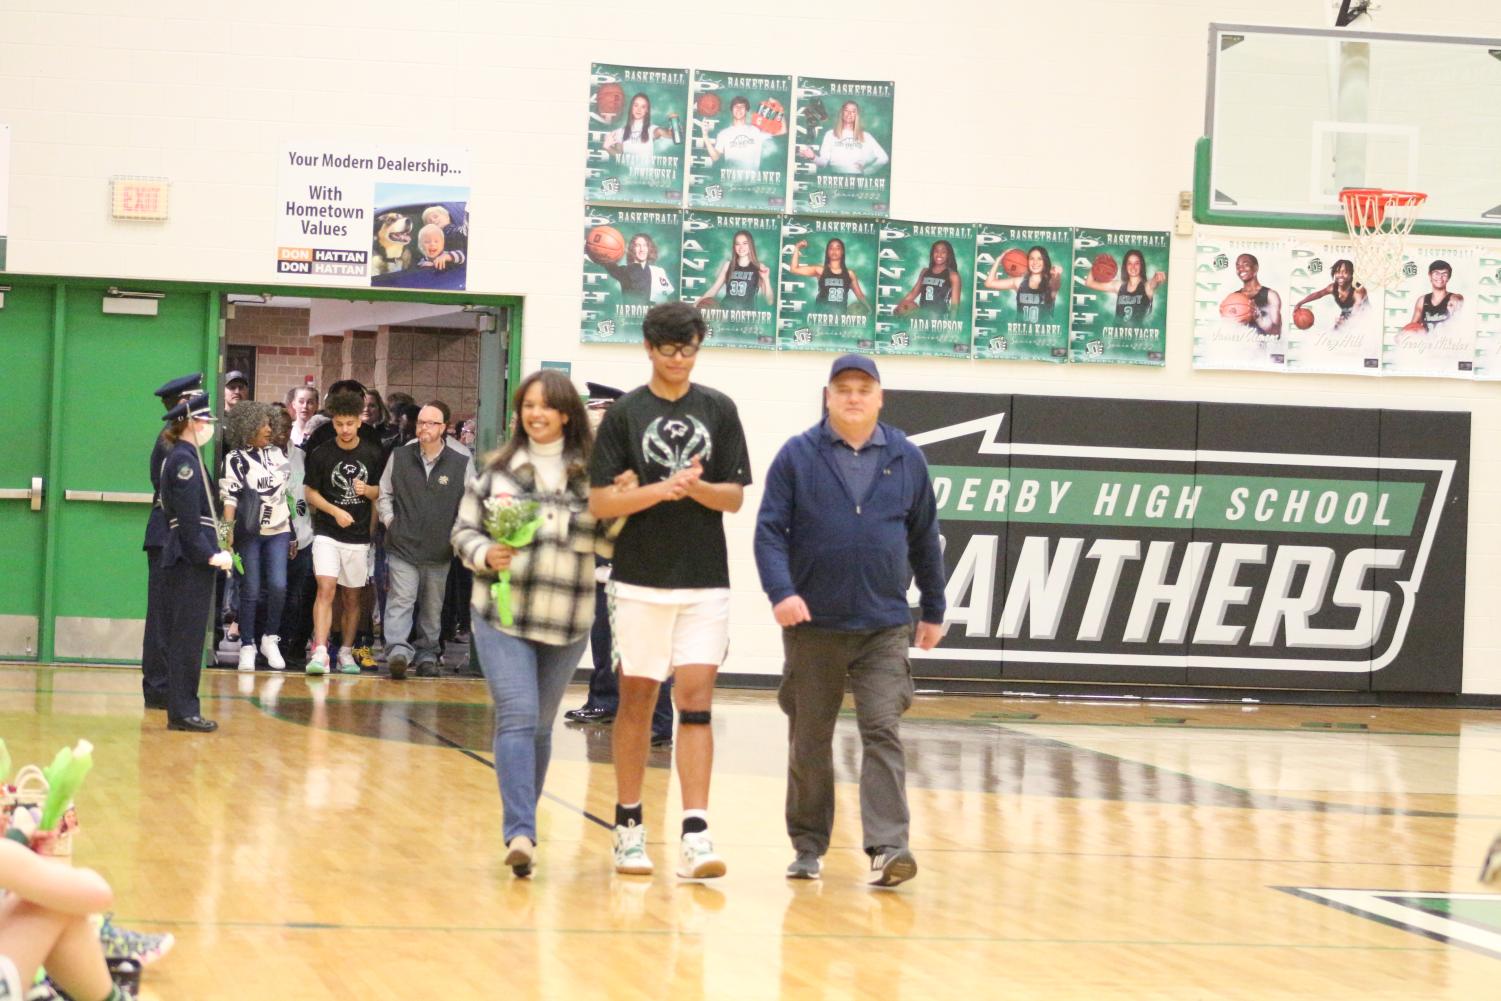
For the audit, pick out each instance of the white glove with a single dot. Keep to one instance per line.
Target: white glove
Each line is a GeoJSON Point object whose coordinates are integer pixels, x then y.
{"type": "Point", "coordinates": [222, 560]}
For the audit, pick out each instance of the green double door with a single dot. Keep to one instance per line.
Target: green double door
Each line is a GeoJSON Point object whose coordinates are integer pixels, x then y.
{"type": "Point", "coordinates": [77, 367]}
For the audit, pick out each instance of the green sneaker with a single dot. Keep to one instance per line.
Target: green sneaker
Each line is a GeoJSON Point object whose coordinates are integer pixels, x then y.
{"type": "Point", "coordinates": [318, 662]}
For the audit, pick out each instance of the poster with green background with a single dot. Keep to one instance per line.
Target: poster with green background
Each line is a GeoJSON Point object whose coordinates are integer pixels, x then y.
{"type": "Point", "coordinates": [729, 272]}
{"type": "Point", "coordinates": [922, 296]}
{"type": "Point", "coordinates": [1022, 284]}
{"type": "Point", "coordinates": [739, 141]}
{"type": "Point", "coordinates": [1119, 298]}
{"type": "Point", "coordinates": [828, 284]}
{"type": "Point", "coordinates": [842, 157]}
{"type": "Point", "coordinates": [631, 263]}
{"type": "Point", "coordinates": [637, 132]}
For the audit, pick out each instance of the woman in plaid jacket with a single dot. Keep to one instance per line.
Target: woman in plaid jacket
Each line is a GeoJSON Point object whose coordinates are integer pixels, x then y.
{"type": "Point", "coordinates": [528, 663]}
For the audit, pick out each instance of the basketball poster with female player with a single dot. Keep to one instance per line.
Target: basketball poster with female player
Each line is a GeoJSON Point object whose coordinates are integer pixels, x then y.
{"type": "Point", "coordinates": [1119, 298]}
{"type": "Point", "coordinates": [1333, 318]}
{"type": "Point", "coordinates": [630, 264]}
{"type": "Point", "coordinates": [1430, 313]}
{"type": "Point", "coordinates": [1240, 306]}
{"type": "Point", "coordinates": [637, 132]}
{"type": "Point", "coordinates": [1021, 289]}
{"type": "Point", "coordinates": [841, 162]}
{"type": "Point", "coordinates": [1488, 317]}
{"type": "Point", "coordinates": [739, 141]}
{"type": "Point", "coordinates": [923, 289]}
{"type": "Point", "coordinates": [828, 284]}
{"type": "Point", "coordinates": [729, 272]}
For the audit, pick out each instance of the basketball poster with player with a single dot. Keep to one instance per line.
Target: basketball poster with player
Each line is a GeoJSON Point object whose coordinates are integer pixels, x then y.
{"type": "Point", "coordinates": [729, 272]}
{"type": "Point", "coordinates": [1488, 317]}
{"type": "Point", "coordinates": [1022, 293]}
{"type": "Point", "coordinates": [637, 133]}
{"type": "Point", "coordinates": [739, 141]}
{"type": "Point", "coordinates": [1430, 314]}
{"type": "Point", "coordinates": [828, 284]}
{"type": "Point", "coordinates": [1119, 298]}
{"type": "Point", "coordinates": [841, 162]}
{"type": "Point", "coordinates": [1335, 319]}
{"type": "Point", "coordinates": [630, 264]}
{"type": "Point", "coordinates": [1240, 306]}
{"type": "Point", "coordinates": [923, 289]}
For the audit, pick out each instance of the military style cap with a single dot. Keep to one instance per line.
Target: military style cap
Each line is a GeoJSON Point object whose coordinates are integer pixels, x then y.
{"type": "Point", "coordinates": [195, 406]}
{"type": "Point", "coordinates": [180, 385]}
{"type": "Point", "coordinates": [600, 393]}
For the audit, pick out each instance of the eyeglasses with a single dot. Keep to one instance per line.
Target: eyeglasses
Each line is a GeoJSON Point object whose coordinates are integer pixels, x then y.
{"type": "Point", "coordinates": [676, 350]}
{"type": "Point", "coordinates": [430, 424]}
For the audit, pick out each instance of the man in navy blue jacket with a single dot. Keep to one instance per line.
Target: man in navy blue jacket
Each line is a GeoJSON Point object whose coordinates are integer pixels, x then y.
{"type": "Point", "coordinates": [847, 519]}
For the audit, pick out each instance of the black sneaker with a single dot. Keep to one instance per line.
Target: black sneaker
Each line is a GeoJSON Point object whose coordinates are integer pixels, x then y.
{"type": "Point", "coordinates": [661, 740]}
{"type": "Point", "coordinates": [890, 866]}
{"type": "Point", "coordinates": [398, 665]}
{"type": "Point", "coordinates": [588, 715]}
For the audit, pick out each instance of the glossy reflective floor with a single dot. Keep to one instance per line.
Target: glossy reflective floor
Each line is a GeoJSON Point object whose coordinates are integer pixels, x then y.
{"type": "Point", "coordinates": [340, 839]}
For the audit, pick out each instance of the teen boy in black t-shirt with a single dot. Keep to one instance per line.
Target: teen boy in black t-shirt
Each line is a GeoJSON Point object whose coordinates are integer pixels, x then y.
{"type": "Point", "coordinates": [669, 593]}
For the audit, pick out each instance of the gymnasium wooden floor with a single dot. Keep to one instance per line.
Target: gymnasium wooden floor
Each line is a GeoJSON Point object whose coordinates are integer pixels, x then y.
{"type": "Point", "coordinates": [340, 839]}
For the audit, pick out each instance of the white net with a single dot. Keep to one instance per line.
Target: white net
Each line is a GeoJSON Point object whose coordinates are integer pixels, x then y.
{"type": "Point", "coordinates": [1379, 222]}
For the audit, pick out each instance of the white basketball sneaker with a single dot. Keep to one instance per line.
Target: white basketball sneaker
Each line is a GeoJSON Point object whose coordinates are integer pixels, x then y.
{"type": "Point", "coordinates": [270, 646]}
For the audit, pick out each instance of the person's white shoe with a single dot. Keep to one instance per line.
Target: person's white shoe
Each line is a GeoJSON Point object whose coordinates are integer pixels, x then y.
{"type": "Point", "coordinates": [696, 858]}
{"type": "Point", "coordinates": [270, 646]}
{"type": "Point", "coordinates": [630, 850]}
{"type": "Point", "coordinates": [247, 658]}
{"type": "Point", "coordinates": [318, 662]}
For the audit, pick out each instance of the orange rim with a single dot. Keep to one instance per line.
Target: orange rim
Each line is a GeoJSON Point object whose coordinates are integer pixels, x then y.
{"type": "Point", "coordinates": [1367, 206]}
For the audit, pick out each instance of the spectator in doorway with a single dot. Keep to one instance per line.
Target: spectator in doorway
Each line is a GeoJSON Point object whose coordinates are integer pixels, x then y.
{"type": "Point", "coordinates": [260, 526]}
{"type": "Point", "coordinates": [420, 493]}
{"type": "Point", "coordinates": [236, 388]}
{"type": "Point", "coordinates": [302, 402]}
{"type": "Point", "coordinates": [296, 625]}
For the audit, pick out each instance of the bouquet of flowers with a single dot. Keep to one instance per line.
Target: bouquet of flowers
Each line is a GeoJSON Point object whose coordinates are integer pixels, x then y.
{"type": "Point", "coordinates": [224, 528]}
{"type": "Point", "coordinates": [510, 521]}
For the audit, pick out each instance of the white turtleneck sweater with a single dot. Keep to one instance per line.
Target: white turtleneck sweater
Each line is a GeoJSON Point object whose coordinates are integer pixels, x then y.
{"type": "Point", "coordinates": [547, 460]}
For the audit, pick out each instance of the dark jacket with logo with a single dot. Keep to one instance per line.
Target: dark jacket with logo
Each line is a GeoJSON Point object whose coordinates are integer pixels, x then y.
{"type": "Point", "coordinates": [191, 535]}
{"type": "Point", "coordinates": [424, 505]}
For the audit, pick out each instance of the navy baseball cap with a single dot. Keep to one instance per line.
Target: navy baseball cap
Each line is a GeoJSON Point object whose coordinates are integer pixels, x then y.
{"type": "Point", "coordinates": [180, 385]}
{"type": "Point", "coordinates": [236, 376]}
{"type": "Point", "coordinates": [195, 406]}
{"type": "Point", "coordinates": [858, 362]}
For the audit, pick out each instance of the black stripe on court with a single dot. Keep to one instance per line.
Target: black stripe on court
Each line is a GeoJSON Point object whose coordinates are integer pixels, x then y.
{"type": "Point", "coordinates": [491, 765]}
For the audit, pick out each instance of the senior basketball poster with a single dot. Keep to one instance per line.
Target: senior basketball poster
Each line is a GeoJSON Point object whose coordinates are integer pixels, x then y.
{"type": "Point", "coordinates": [828, 284]}
{"type": "Point", "coordinates": [1333, 319]}
{"type": "Point", "coordinates": [922, 291]}
{"type": "Point", "coordinates": [1021, 288]}
{"type": "Point", "coordinates": [1430, 314]}
{"type": "Point", "coordinates": [1488, 317]}
{"type": "Point", "coordinates": [1240, 290]}
{"type": "Point", "coordinates": [637, 135]}
{"type": "Point", "coordinates": [728, 269]}
{"type": "Point", "coordinates": [842, 147]}
{"type": "Point", "coordinates": [631, 263]}
{"type": "Point", "coordinates": [1119, 299]}
{"type": "Point", "coordinates": [739, 141]}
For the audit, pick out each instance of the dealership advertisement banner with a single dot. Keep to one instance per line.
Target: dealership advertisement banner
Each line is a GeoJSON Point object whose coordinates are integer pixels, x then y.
{"type": "Point", "coordinates": [1430, 314]}
{"type": "Point", "coordinates": [739, 141]}
{"type": "Point", "coordinates": [1488, 316]}
{"type": "Point", "coordinates": [842, 154]}
{"type": "Point", "coordinates": [727, 267]}
{"type": "Point", "coordinates": [1332, 320]}
{"type": "Point", "coordinates": [828, 284]}
{"type": "Point", "coordinates": [1119, 299]}
{"type": "Point", "coordinates": [1240, 303]}
{"type": "Point", "coordinates": [637, 135]}
{"type": "Point", "coordinates": [389, 217]}
{"type": "Point", "coordinates": [1022, 287]}
{"type": "Point", "coordinates": [631, 263]}
{"type": "Point", "coordinates": [922, 291]}
{"type": "Point", "coordinates": [1175, 542]}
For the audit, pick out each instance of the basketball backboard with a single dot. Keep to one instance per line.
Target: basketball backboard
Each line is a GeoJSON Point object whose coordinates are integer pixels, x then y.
{"type": "Point", "coordinates": [1295, 115]}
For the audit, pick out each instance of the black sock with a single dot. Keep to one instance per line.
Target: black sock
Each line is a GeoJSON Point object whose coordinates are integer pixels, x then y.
{"type": "Point", "coordinates": [695, 825]}
{"type": "Point", "coordinates": [626, 816]}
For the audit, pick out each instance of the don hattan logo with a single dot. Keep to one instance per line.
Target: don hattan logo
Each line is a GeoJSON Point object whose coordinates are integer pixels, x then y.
{"type": "Point", "coordinates": [1130, 554]}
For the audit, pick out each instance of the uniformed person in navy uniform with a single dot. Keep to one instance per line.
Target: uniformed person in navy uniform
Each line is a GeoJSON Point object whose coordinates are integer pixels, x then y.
{"type": "Point", "coordinates": [191, 557]}
{"type": "Point", "coordinates": [154, 642]}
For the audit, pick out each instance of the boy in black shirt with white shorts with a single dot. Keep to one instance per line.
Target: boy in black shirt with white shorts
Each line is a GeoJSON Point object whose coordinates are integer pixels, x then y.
{"type": "Point", "coordinates": [342, 483]}
{"type": "Point", "coordinates": [669, 592]}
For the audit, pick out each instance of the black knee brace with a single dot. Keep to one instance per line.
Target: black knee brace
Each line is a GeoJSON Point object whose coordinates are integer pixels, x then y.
{"type": "Point", "coordinates": [694, 717]}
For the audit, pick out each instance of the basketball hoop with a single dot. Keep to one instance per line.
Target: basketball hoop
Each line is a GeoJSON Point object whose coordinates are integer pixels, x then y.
{"type": "Point", "coordinates": [1379, 221]}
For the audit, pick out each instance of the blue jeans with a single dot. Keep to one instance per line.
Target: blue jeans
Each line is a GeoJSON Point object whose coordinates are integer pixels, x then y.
{"type": "Point", "coordinates": [264, 556]}
{"type": "Point", "coordinates": [414, 588]}
{"type": "Point", "coordinates": [526, 682]}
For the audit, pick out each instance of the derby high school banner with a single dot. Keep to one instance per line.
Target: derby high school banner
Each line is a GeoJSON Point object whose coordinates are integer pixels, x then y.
{"type": "Point", "coordinates": [1191, 543]}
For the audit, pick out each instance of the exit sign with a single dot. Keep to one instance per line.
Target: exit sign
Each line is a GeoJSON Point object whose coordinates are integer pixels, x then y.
{"type": "Point", "coordinates": [139, 198]}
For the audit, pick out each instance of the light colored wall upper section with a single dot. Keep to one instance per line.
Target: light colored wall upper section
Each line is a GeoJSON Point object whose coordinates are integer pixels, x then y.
{"type": "Point", "coordinates": [1080, 113]}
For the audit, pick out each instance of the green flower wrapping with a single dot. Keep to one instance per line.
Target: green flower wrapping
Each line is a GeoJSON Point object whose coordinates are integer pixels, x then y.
{"type": "Point", "coordinates": [513, 522]}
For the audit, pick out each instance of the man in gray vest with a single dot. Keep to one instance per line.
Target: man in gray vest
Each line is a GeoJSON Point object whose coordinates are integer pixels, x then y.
{"type": "Point", "coordinates": [419, 500]}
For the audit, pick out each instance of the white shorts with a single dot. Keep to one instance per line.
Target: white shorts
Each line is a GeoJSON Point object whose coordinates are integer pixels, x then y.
{"type": "Point", "coordinates": [651, 638]}
{"type": "Point", "coordinates": [348, 561]}
{"type": "Point", "coordinates": [10, 980]}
